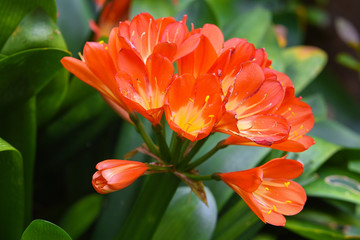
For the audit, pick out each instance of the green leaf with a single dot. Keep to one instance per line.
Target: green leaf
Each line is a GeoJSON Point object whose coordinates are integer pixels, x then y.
{"type": "Point", "coordinates": [12, 11]}
{"type": "Point", "coordinates": [304, 63]}
{"type": "Point", "coordinates": [236, 222]}
{"type": "Point", "coordinates": [230, 159]}
{"type": "Point", "coordinates": [36, 30]}
{"type": "Point", "coordinates": [334, 132]}
{"type": "Point", "coordinates": [314, 157]}
{"type": "Point", "coordinates": [44, 230]}
{"type": "Point", "coordinates": [12, 192]}
{"type": "Point", "coordinates": [187, 217]}
{"type": "Point", "coordinates": [336, 184]}
{"type": "Point", "coordinates": [159, 8]}
{"type": "Point", "coordinates": [251, 25]}
{"type": "Point", "coordinates": [318, 106]}
{"type": "Point", "coordinates": [314, 231]}
{"type": "Point", "coordinates": [25, 73]}
{"type": "Point", "coordinates": [50, 98]}
{"type": "Point", "coordinates": [18, 127]}
{"type": "Point", "coordinates": [150, 206]}
{"type": "Point", "coordinates": [81, 215]}
{"type": "Point", "coordinates": [198, 12]}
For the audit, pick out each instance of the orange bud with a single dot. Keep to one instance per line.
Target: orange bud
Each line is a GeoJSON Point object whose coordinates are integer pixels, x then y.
{"type": "Point", "coordinates": [115, 174]}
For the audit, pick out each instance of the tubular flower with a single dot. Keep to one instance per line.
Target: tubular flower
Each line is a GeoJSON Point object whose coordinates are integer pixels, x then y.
{"type": "Point", "coordinates": [268, 191]}
{"type": "Point", "coordinates": [145, 35]}
{"type": "Point", "coordinates": [248, 103]}
{"type": "Point", "coordinates": [193, 106]}
{"type": "Point", "coordinates": [112, 13]}
{"type": "Point", "coordinates": [144, 87]}
{"type": "Point", "coordinates": [300, 118]}
{"type": "Point", "coordinates": [114, 174]}
{"type": "Point", "coordinates": [98, 69]}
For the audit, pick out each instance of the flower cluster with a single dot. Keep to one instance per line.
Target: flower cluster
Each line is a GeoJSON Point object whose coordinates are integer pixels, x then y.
{"type": "Point", "coordinates": [219, 86]}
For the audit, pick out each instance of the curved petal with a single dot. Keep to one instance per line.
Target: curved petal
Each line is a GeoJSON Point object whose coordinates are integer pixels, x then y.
{"type": "Point", "coordinates": [264, 129]}
{"type": "Point", "coordinates": [214, 34]}
{"type": "Point", "coordinates": [282, 168]}
{"type": "Point", "coordinates": [247, 180]}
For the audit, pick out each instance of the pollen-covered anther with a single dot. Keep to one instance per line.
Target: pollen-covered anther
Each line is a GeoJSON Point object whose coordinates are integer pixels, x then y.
{"type": "Point", "coordinates": [286, 184]}
{"type": "Point", "coordinates": [267, 189]}
{"type": "Point", "coordinates": [207, 98]}
{"type": "Point", "coordinates": [101, 42]}
{"type": "Point", "coordinates": [288, 201]}
{"type": "Point", "coordinates": [269, 211]}
{"type": "Point", "coordinates": [191, 100]}
{"type": "Point", "coordinates": [211, 116]}
{"type": "Point", "coordinates": [274, 207]}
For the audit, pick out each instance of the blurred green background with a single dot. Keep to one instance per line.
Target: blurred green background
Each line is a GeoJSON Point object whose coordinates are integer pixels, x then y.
{"type": "Point", "coordinates": [54, 128]}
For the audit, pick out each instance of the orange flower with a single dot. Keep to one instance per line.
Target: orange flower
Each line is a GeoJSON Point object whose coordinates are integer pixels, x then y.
{"type": "Point", "coordinates": [145, 35]}
{"type": "Point", "coordinates": [248, 102]}
{"type": "Point", "coordinates": [193, 106]}
{"type": "Point", "coordinates": [301, 120]}
{"type": "Point", "coordinates": [268, 191]}
{"type": "Point", "coordinates": [114, 174]}
{"type": "Point", "coordinates": [113, 12]}
{"type": "Point", "coordinates": [98, 69]}
{"type": "Point", "coordinates": [143, 87]}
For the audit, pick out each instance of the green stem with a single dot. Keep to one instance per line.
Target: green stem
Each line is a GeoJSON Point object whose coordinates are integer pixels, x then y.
{"type": "Point", "coordinates": [149, 207]}
{"type": "Point", "coordinates": [140, 128]}
{"type": "Point", "coordinates": [195, 149]}
{"type": "Point", "coordinates": [203, 177]}
{"type": "Point", "coordinates": [164, 149]}
{"type": "Point", "coordinates": [206, 156]}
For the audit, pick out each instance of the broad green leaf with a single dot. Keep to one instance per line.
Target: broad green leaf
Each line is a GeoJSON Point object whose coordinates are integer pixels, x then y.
{"type": "Point", "coordinates": [25, 73]}
{"type": "Point", "coordinates": [198, 12]}
{"type": "Point", "coordinates": [336, 184]}
{"type": "Point", "coordinates": [12, 192]}
{"type": "Point", "coordinates": [18, 127]}
{"type": "Point", "coordinates": [318, 106]}
{"type": "Point", "coordinates": [187, 217]}
{"type": "Point", "coordinates": [81, 215]}
{"type": "Point", "coordinates": [159, 8]}
{"type": "Point", "coordinates": [44, 230]}
{"type": "Point", "coordinates": [36, 30]}
{"type": "Point", "coordinates": [314, 231]}
{"type": "Point", "coordinates": [236, 222]}
{"type": "Point", "coordinates": [12, 11]}
{"type": "Point", "coordinates": [230, 159]}
{"type": "Point", "coordinates": [314, 157]}
{"type": "Point", "coordinates": [354, 165]}
{"type": "Point", "coordinates": [50, 98]}
{"type": "Point", "coordinates": [150, 207]}
{"type": "Point", "coordinates": [304, 63]}
{"type": "Point", "coordinates": [251, 25]}
{"type": "Point", "coordinates": [336, 133]}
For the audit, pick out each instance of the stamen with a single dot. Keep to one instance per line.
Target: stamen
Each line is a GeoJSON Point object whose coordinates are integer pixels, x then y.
{"type": "Point", "coordinates": [207, 98]}
{"type": "Point", "coordinates": [288, 201]}
{"type": "Point", "coordinates": [191, 100]}
{"type": "Point", "coordinates": [275, 209]}
{"type": "Point", "coordinates": [211, 116]}
{"type": "Point", "coordinates": [101, 42]}
{"type": "Point", "coordinates": [81, 57]}
{"type": "Point", "coordinates": [287, 184]}
{"type": "Point", "coordinates": [267, 189]}
{"type": "Point", "coordinates": [269, 211]}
